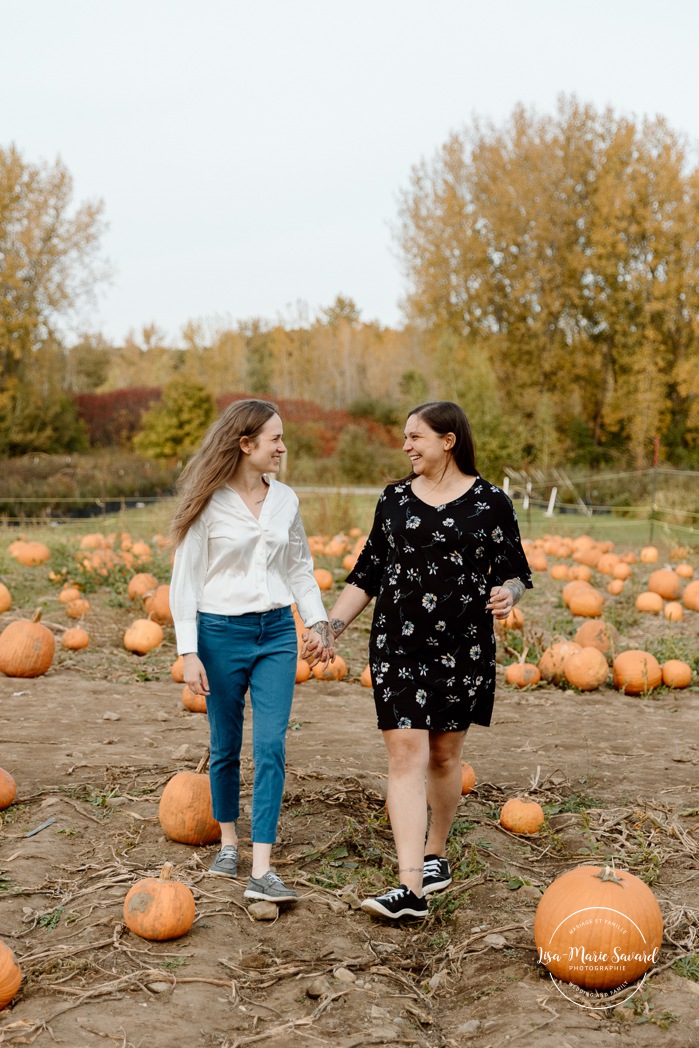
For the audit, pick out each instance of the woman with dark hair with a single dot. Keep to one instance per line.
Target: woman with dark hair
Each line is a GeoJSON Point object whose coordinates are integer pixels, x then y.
{"type": "Point", "coordinates": [443, 559]}
{"type": "Point", "coordinates": [241, 560]}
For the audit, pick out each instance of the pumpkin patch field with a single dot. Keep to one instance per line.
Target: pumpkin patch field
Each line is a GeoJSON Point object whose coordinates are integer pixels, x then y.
{"type": "Point", "coordinates": [113, 932]}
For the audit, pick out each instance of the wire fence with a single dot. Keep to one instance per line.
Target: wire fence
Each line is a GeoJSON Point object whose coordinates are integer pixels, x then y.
{"type": "Point", "coordinates": [655, 501]}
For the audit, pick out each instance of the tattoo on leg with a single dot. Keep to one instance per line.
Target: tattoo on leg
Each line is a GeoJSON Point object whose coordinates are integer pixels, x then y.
{"type": "Point", "coordinates": [429, 821]}
{"type": "Point", "coordinates": [410, 869]}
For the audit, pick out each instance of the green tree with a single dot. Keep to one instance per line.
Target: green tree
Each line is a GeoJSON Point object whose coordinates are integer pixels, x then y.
{"type": "Point", "coordinates": [49, 263]}
{"type": "Point", "coordinates": [174, 427]}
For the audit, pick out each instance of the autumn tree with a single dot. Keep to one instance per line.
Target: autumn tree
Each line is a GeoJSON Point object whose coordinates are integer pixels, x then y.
{"type": "Point", "coordinates": [561, 253]}
{"type": "Point", "coordinates": [174, 426]}
{"type": "Point", "coordinates": [49, 263]}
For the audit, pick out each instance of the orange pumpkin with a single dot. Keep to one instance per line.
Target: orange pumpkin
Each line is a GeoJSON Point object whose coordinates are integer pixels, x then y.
{"type": "Point", "coordinates": [579, 573]}
{"type": "Point", "coordinates": [666, 583]}
{"type": "Point", "coordinates": [685, 571]}
{"type": "Point", "coordinates": [676, 674]}
{"type": "Point", "coordinates": [673, 611]}
{"type": "Point", "coordinates": [30, 553]}
{"type": "Point", "coordinates": [303, 671]}
{"type": "Point", "coordinates": [552, 660]}
{"type": "Point", "coordinates": [615, 587]}
{"type": "Point", "coordinates": [5, 598]}
{"type": "Point", "coordinates": [633, 937]}
{"type": "Point", "coordinates": [649, 555]}
{"type": "Point", "coordinates": [587, 602]}
{"type": "Point", "coordinates": [365, 679]}
{"type": "Point", "coordinates": [177, 670]}
{"type": "Point", "coordinates": [334, 671]}
{"type": "Point", "coordinates": [649, 603]}
{"type": "Point", "coordinates": [142, 636]}
{"type": "Point", "coordinates": [75, 639]}
{"type": "Point", "coordinates": [559, 571]}
{"type": "Point", "coordinates": [324, 578]}
{"type": "Point", "coordinates": [513, 621]}
{"type": "Point", "coordinates": [140, 584]}
{"type": "Point", "coordinates": [622, 570]}
{"type": "Point", "coordinates": [522, 674]}
{"type": "Point", "coordinates": [10, 975]}
{"type": "Point", "coordinates": [468, 778]}
{"type": "Point", "coordinates": [690, 597]}
{"type": "Point", "coordinates": [596, 633]}
{"type": "Point", "coordinates": [158, 908]}
{"type": "Point", "coordinates": [636, 672]}
{"type": "Point", "coordinates": [185, 812]}
{"type": "Point", "coordinates": [575, 586]}
{"type": "Point", "coordinates": [8, 789]}
{"type": "Point", "coordinates": [76, 609]}
{"type": "Point", "coordinates": [141, 552]}
{"type": "Point", "coordinates": [157, 604]}
{"type": "Point", "coordinates": [69, 593]}
{"type": "Point", "coordinates": [586, 670]}
{"type": "Point", "coordinates": [192, 701]}
{"type": "Point", "coordinates": [521, 815]}
{"type": "Point", "coordinates": [607, 563]}
{"type": "Point", "coordinates": [26, 648]}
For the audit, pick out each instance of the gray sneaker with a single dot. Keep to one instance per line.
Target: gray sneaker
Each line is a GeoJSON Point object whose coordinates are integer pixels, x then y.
{"type": "Point", "coordinates": [271, 887]}
{"type": "Point", "coordinates": [226, 862]}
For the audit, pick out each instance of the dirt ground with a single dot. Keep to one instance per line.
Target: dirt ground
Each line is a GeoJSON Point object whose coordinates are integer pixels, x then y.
{"type": "Point", "coordinates": [617, 775]}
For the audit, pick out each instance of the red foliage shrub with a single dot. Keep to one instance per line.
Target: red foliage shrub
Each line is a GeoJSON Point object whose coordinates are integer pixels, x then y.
{"type": "Point", "coordinates": [113, 419]}
{"type": "Point", "coordinates": [327, 423]}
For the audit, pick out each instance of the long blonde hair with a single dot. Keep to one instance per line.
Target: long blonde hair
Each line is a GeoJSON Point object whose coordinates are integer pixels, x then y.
{"type": "Point", "coordinates": [216, 459]}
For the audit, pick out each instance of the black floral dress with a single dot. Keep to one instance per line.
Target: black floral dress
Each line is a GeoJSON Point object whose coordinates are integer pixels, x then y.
{"type": "Point", "coordinates": [431, 568]}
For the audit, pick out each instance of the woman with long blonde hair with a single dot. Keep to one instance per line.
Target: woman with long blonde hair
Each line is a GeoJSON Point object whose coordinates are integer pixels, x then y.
{"type": "Point", "coordinates": [241, 560]}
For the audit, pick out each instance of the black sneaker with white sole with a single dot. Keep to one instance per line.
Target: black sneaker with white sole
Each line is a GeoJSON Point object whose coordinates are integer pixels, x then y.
{"type": "Point", "coordinates": [436, 874]}
{"type": "Point", "coordinates": [398, 902]}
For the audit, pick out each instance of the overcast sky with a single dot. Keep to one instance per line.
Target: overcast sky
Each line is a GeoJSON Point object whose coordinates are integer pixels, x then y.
{"type": "Point", "coordinates": [250, 153]}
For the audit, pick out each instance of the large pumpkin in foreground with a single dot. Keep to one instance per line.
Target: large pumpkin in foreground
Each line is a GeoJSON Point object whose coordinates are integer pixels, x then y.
{"type": "Point", "coordinates": [26, 648]}
{"type": "Point", "coordinates": [598, 928]}
{"type": "Point", "coordinates": [185, 810]}
{"type": "Point", "coordinates": [158, 908]}
{"type": "Point", "coordinates": [10, 975]}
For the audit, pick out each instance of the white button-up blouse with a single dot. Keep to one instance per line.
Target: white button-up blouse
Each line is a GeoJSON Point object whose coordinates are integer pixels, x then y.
{"type": "Point", "coordinates": [230, 563]}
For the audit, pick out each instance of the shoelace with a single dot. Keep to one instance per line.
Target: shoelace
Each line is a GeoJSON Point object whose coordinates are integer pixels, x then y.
{"type": "Point", "coordinates": [395, 893]}
{"type": "Point", "coordinates": [432, 866]}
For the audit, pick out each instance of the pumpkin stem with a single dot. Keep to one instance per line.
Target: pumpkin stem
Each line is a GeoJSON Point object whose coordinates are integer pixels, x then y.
{"type": "Point", "coordinates": [37, 615]}
{"type": "Point", "coordinates": [166, 872]}
{"type": "Point", "coordinates": [608, 874]}
{"type": "Point", "coordinates": [203, 762]}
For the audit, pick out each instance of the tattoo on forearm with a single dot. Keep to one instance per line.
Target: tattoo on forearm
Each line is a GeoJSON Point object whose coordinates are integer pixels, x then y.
{"type": "Point", "coordinates": [516, 588]}
{"type": "Point", "coordinates": [322, 628]}
{"type": "Point", "coordinates": [337, 626]}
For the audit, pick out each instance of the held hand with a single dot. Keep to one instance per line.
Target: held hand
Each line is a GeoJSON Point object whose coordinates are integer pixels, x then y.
{"type": "Point", "coordinates": [316, 648]}
{"type": "Point", "coordinates": [501, 602]}
{"type": "Point", "coordinates": [195, 675]}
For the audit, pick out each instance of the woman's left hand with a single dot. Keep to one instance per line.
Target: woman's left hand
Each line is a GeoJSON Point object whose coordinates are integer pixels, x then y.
{"type": "Point", "coordinates": [501, 601]}
{"type": "Point", "coordinates": [317, 644]}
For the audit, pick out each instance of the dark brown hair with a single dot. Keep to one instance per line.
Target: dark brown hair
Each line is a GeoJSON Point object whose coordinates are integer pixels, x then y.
{"type": "Point", "coordinates": [443, 416]}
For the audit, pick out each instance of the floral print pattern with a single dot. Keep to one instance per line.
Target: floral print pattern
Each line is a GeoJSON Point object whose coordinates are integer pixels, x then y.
{"type": "Point", "coordinates": [435, 630]}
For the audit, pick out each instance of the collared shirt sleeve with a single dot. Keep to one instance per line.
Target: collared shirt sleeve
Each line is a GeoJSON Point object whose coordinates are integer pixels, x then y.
{"type": "Point", "coordinates": [302, 583]}
{"type": "Point", "coordinates": [187, 584]}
